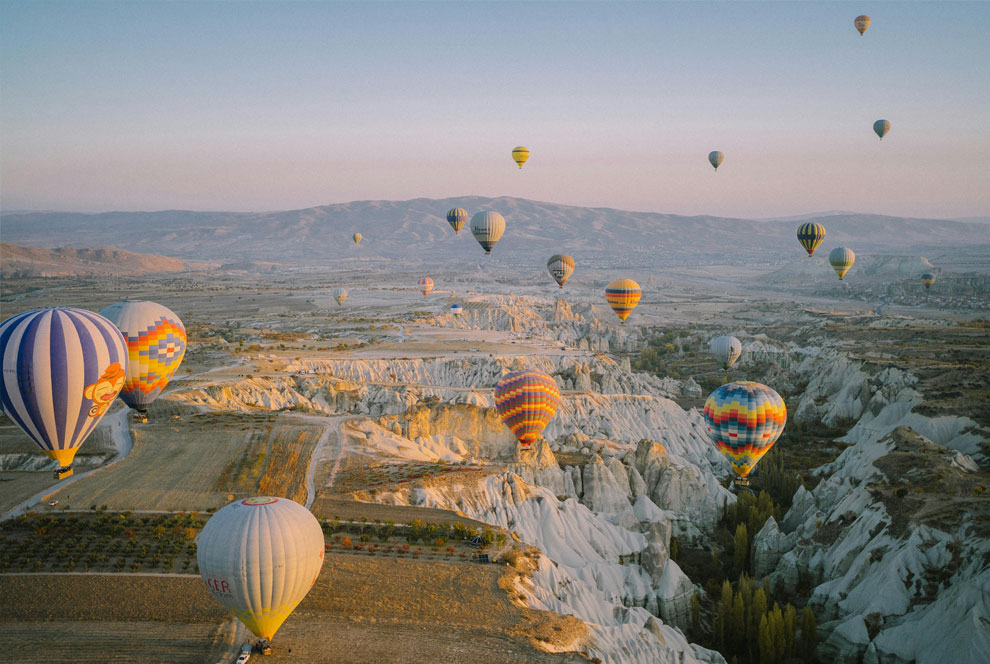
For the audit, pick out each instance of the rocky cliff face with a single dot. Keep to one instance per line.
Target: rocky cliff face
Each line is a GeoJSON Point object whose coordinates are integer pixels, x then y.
{"type": "Point", "coordinates": [896, 543]}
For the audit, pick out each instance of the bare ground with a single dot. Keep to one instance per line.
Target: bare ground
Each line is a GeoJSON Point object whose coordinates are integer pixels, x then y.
{"type": "Point", "coordinates": [360, 610]}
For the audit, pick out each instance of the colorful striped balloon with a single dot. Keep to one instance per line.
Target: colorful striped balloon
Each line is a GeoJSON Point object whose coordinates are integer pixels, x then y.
{"type": "Point", "coordinates": [744, 420]}
{"type": "Point", "coordinates": [527, 401]}
{"type": "Point", "coordinates": [841, 260]}
{"type": "Point", "coordinates": [425, 285]}
{"type": "Point", "coordinates": [156, 344]}
{"type": "Point", "coordinates": [487, 229]}
{"type": "Point", "coordinates": [623, 296]}
{"type": "Point", "coordinates": [62, 368]}
{"type": "Point", "coordinates": [457, 217]}
{"type": "Point", "coordinates": [810, 236]}
{"type": "Point", "coordinates": [456, 309]}
{"type": "Point", "coordinates": [561, 267]}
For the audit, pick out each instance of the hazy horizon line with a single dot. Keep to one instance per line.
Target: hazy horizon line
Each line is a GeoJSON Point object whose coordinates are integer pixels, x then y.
{"type": "Point", "coordinates": [785, 217]}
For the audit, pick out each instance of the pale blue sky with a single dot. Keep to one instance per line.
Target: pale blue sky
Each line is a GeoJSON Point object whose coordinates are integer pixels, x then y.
{"type": "Point", "coordinates": [277, 105]}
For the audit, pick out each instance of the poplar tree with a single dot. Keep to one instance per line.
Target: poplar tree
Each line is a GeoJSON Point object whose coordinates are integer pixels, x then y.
{"type": "Point", "coordinates": [790, 630]}
{"type": "Point", "coordinates": [695, 613]}
{"type": "Point", "coordinates": [809, 634]}
{"type": "Point", "coordinates": [741, 548]}
{"type": "Point", "coordinates": [737, 624]}
{"type": "Point", "coordinates": [757, 613]}
{"type": "Point", "coordinates": [765, 642]}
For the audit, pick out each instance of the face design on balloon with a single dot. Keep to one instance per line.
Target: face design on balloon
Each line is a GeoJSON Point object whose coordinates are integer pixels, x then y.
{"type": "Point", "coordinates": [105, 390]}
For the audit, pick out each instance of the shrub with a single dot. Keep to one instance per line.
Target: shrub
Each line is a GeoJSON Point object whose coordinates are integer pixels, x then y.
{"type": "Point", "coordinates": [346, 542]}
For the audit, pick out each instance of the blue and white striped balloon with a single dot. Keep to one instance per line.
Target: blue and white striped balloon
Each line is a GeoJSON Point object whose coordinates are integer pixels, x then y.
{"type": "Point", "coordinates": [62, 368]}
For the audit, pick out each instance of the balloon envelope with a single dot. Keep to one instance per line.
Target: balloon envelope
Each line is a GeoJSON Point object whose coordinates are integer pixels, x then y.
{"type": "Point", "coordinates": [862, 23]}
{"type": "Point", "coordinates": [357, 238]}
{"type": "Point", "coordinates": [928, 279]}
{"type": "Point", "coordinates": [456, 309]}
{"type": "Point", "coordinates": [623, 296]}
{"type": "Point", "coordinates": [726, 350]}
{"type": "Point", "coordinates": [520, 155]}
{"type": "Point", "coordinates": [259, 557]}
{"type": "Point", "coordinates": [340, 295]}
{"type": "Point", "coordinates": [156, 344]}
{"type": "Point", "coordinates": [810, 236]}
{"type": "Point", "coordinates": [487, 229]}
{"type": "Point", "coordinates": [457, 217]}
{"type": "Point", "coordinates": [715, 158]}
{"type": "Point", "coordinates": [425, 285]}
{"type": "Point", "coordinates": [881, 127]}
{"type": "Point", "coordinates": [841, 260]}
{"type": "Point", "coordinates": [526, 402]}
{"type": "Point", "coordinates": [560, 267]}
{"type": "Point", "coordinates": [62, 368]}
{"type": "Point", "coordinates": [744, 420]}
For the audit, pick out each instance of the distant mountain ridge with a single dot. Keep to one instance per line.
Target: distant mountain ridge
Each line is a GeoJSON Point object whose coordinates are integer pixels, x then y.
{"type": "Point", "coordinates": [417, 230]}
{"type": "Point", "coordinates": [18, 261]}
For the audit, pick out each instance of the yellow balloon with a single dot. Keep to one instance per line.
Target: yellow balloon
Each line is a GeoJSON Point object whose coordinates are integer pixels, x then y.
{"type": "Point", "coordinates": [623, 296]}
{"type": "Point", "coordinates": [520, 155]}
{"type": "Point", "coordinates": [862, 23]}
{"type": "Point", "coordinates": [357, 238]}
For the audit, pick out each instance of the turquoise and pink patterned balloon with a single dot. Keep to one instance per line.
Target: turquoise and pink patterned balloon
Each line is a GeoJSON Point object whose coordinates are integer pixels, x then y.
{"type": "Point", "coordinates": [744, 420]}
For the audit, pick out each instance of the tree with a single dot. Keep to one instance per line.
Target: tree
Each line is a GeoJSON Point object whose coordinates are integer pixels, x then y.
{"type": "Point", "coordinates": [790, 630]}
{"type": "Point", "coordinates": [741, 550]}
{"type": "Point", "coordinates": [757, 612]}
{"type": "Point", "coordinates": [695, 613]}
{"type": "Point", "coordinates": [765, 642]}
{"type": "Point", "coordinates": [809, 634]}
{"type": "Point", "coordinates": [674, 548]}
{"type": "Point", "coordinates": [777, 633]}
{"type": "Point", "coordinates": [737, 623]}
{"type": "Point", "coordinates": [722, 613]}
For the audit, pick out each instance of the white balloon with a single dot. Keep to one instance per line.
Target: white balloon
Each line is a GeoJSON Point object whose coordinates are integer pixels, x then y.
{"type": "Point", "coordinates": [259, 557]}
{"type": "Point", "coordinates": [726, 350]}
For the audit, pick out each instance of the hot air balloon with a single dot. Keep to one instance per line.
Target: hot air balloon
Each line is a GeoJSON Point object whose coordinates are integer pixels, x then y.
{"type": "Point", "coordinates": [726, 350]}
{"type": "Point", "coordinates": [156, 344]}
{"type": "Point", "coordinates": [561, 267]}
{"type": "Point", "coordinates": [928, 279]}
{"type": "Point", "coordinates": [457, 217]}
{"type": "Point", "coordinates": [881, 127]}
{"type": "Point", "coordinates": [357, 238]}
{"type": "Point", "coordinates": [744, 420]}
{"type": "Point", "coordinates": [456, 309]}
{"type": "Point", "coordinates": [340, 295]}
{"type": "Point", "coordinates": [715, 158]}
{"type": "Point", "coordinates": [62, 368]}
{"type": "Point", "coordinates": [520, 155]}
{"type": "Point", "coordinates": [487, 228]}
{"type": "Point", "coordinates": [810, 236]}
{"type": "Point", "coordinates": [425, 285]}
{"type": "Point", "coordinates": [841, 259]}
{"type": "Point", "coordinates": [259, 557]}
{"type": "Point", "coordinates": [862, 23]}
{"type": "Point", "coordinates": [526, 402]}
{"type": "Point", "coordinates": [623, 296]}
